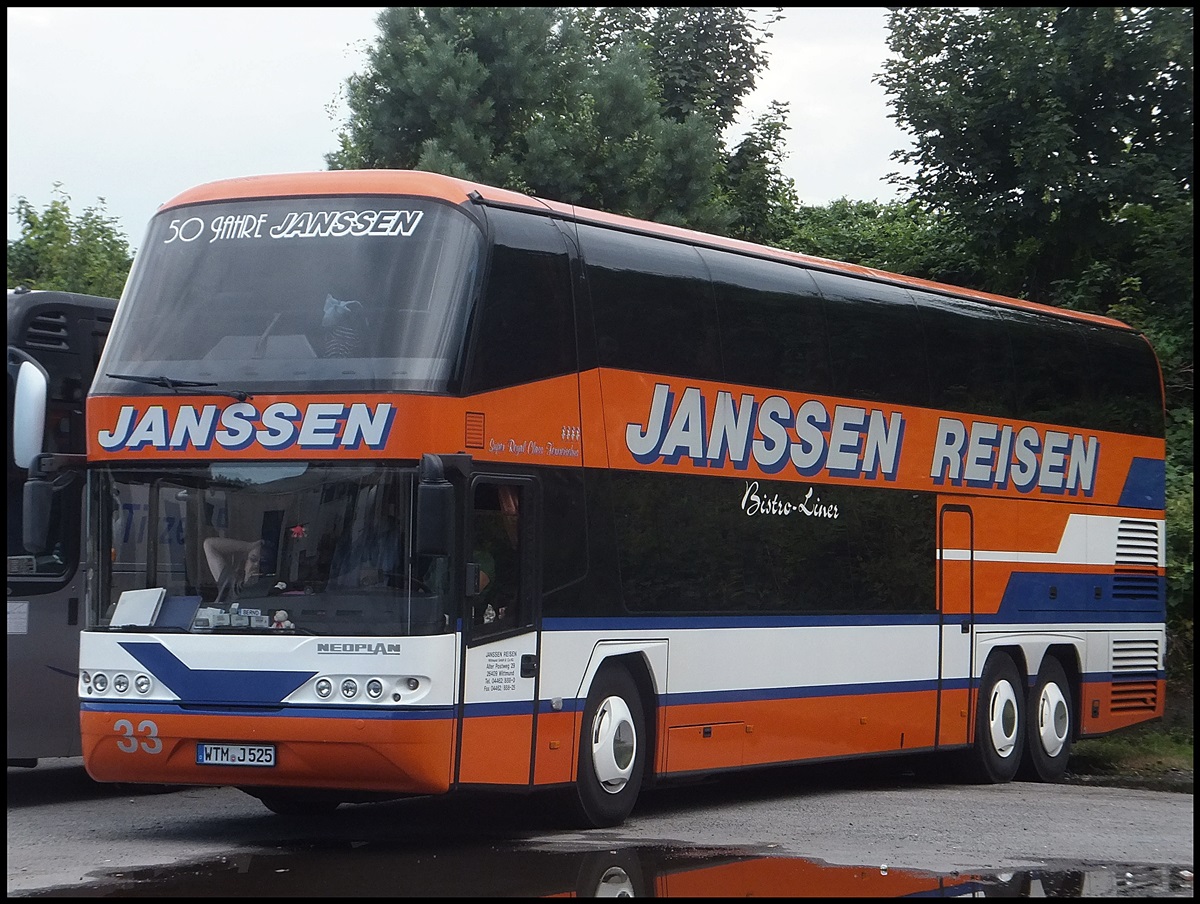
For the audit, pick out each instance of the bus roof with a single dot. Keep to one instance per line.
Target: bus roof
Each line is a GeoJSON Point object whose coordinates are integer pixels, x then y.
{"type": "Point", "coordinates": [461, 191]}
{"type": "Point", "coordinates": [22, 300]}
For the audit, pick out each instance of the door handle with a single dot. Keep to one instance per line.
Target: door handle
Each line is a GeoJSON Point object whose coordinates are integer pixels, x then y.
{"type": "Point", "coordinates": [528, 665]}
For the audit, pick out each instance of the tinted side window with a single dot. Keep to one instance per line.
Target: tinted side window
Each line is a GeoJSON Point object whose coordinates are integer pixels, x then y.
{"type": "Point", "coordinates": [1051, 369]}
{"type": "Point", "coordinates": [564, 529]}
{"type": "Point", "coordinates": [772, 328]}
{"type": "Point", "coordinates": [525, 329]}
{"type": "Point", "coordinates": [1126, 383]}
{"type": "Point", "coordinates": [652, 303]}
{"type": "Point", "coordinates": [861, 549]}
{"type": "Point", "coordinates": [876, 348]}
{"type": "Point", "coordinates": [970, 367]}
{"type": "Point", "coordinates": [504, 548]}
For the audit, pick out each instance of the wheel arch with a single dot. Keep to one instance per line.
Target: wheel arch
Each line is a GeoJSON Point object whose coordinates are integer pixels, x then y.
{"type": "Point", "coordinates": [1029, 651]}
{"type": "Point", "coordinates": [646, 664]}
{"type": "Point", "coordinates": [1010, 648]}
{"type": "Point", "coordinates": [1068, 657]}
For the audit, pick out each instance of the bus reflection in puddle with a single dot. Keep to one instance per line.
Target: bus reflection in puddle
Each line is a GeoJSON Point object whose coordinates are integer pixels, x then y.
{"type": "Point", "coordinates": [368, 869]}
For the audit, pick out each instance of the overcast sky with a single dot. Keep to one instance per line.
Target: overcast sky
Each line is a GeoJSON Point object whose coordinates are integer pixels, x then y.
{"type": "Point", "coordinates": [132, 106]}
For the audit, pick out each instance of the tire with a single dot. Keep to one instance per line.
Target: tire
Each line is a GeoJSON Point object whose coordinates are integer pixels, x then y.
{"type": "Point", "coordinates": [1051, 725]}
{"type": "Point", "coordinates": [612, 751]}
{"type": "Point", "coordinates": [999, 724]}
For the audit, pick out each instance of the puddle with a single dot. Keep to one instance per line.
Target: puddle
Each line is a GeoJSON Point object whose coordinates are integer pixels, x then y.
{"type": "Point", "coordinates": [373, 869]}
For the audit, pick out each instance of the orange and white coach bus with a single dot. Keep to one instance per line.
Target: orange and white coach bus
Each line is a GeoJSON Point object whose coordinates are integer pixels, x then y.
{"type": "Point", "coordinates": [449, 487]}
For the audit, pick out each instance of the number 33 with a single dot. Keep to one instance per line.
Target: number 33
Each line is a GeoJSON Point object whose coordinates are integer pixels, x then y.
{"type": "Point", "coordinates": [151, 743]}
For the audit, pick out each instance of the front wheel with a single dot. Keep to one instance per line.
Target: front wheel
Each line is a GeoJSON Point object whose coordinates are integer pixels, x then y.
{"type": "Point", "coordinates": [296, 803]}
{"type": "Point", "coordinates": [612, 751]}
{"type": "Point", "coordinates": [999, 724]}
{"type": "Point", "coordinates": [1048, 734]}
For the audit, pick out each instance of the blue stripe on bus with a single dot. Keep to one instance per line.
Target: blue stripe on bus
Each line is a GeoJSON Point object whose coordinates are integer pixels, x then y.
{"type": "Point", "coordinates": [1029, 587]}
{"type": "Point", "coordinates": [1041, 597]}
{"type": "Point", "coordinates": [1145, 484]}
{"type": "Point", "coordinates": [866, 689]}
{"type": "Point", "coordinates": [222, 686]}
{"type": "Point", "coordinates": [697, 622]}
{"type": "Point", "coordinates": [279, 711]}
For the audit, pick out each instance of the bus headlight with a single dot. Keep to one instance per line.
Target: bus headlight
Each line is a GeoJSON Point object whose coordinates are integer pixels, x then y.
{"type": "Point", "coordinates": [375, 688]}
{"type": "Point", "coordinates": [349, 688]}
{"type": "Point", "coordinates": [121, 684]}
{"type": "Point", "coordinates": [324, 687]}
{"type": "Point", "coordinates": [142, 684]}
{"type": "Point", "coordinates": [100, 682]}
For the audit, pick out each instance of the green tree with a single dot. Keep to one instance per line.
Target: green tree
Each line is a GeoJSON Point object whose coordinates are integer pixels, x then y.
{"type": "Point", "coordinates": [57, 250]}
{"type": "Point", "coordinates": [706, 62]}
{"type": "Point", "coordinates": [900, 237]}
{"type": "Point", "coordinates": [617, 108]}
{"type": "Point", "coordinates": [511, 97]}
{"type": "Point", "coordinates": [706, 59]}
{"type": "Point", "coordinates": [1036, 127]}
{"type": "Point", "coordinates": [1056, 143]}
{"type": "Point", "coordinates": [764, 201]}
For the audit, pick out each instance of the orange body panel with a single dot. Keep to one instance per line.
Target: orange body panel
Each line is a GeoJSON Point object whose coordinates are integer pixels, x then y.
{"type": "Point", "coordinates": [495, 750]}
{"type": "Point", "coordinates": [533, 424]}
{"type": "Point", "coordinates": [591, 398]}
{"type": "Point", "coordinates": [1119, 704]}
{"type": "Point", "coordinates": [1025, 528]}
{"type": "Point", "coordinates": [628, 396]}
{"type": "Point", "coordinates": [789, 730]}
{"type": "Point", "coordinates": [413, 756]}
{"type": "Point", "coordinates": [557, 735]}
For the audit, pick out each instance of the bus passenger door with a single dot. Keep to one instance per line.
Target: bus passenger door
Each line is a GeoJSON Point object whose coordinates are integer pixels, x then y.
{"type": "Point", "coordinates": [500, 666]}
{"type": "Point", "coordinates": [956, 622]}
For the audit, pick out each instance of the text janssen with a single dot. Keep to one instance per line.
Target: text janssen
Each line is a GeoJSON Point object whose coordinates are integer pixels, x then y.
{"type": "Point", "coordinates": [282, 425]}
{"type": "Point", "coordinates": [854, 442]}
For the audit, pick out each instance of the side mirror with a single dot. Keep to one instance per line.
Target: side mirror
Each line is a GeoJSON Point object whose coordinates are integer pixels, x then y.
{"type": "Point", "coordinates": [35, 526]}
{"type": "Point", "coordinates": [435, 510]}
{"type": "Point", "coordinates": [31, 385]}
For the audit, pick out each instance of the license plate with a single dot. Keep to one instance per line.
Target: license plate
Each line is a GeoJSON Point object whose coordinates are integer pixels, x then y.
{"type": "Point", "coordinates": [235, 754]}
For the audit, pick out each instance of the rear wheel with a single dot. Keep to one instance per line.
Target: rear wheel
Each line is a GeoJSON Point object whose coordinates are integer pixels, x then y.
{"type": "Point", "coordinates": [612, 751]}
{"type": "Point", "coordinates": [1050, 725]}
{"type": "Point", "coordinates": [999, 724]}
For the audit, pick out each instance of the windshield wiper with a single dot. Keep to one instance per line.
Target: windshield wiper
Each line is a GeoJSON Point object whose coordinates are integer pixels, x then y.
{"type": "Point", "coordinates": [177, 385]}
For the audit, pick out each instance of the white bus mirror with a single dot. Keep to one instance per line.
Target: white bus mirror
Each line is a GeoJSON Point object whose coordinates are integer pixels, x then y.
{"type": "Point", "coordinates": [29, 407]}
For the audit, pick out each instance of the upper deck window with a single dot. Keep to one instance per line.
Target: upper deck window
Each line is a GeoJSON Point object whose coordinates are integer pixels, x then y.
{"type": "Point", "coordinates": [299, 295]}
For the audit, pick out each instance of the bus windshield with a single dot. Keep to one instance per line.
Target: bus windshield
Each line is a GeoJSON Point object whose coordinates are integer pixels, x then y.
{"type": "Point", "coordinates": [299, 293]}
{"type": "Point", "coordinates": [250, 547]}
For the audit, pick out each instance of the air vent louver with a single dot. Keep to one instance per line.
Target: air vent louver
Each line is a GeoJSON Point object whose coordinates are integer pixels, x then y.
{"type": "Point", "coordinates": [48, 330]}
{"type": "Point", "coordinates": [1134, 696]}
{"type": "Point", "coordinates": [1136, 585]}
{"type": "Point", "coordinates": [1135, 655]}
{"type": "Point", "coordinates": [1137, 542]}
